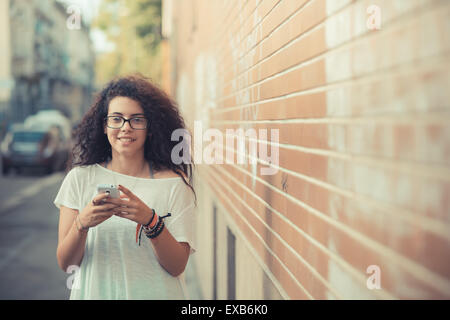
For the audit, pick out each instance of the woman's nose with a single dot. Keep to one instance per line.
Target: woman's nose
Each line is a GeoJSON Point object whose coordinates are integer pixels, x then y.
{"type": "Point", "coordinates": [127, 126]}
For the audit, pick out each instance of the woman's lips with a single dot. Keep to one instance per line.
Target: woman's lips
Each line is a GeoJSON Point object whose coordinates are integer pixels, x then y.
{"type": "Point", "coordinates": [126, 141]}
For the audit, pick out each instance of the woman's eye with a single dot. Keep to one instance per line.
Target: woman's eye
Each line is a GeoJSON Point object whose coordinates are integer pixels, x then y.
{"type": "Point", "coordinates": [138, 120]}
{"type": "Point", "coordinates": [116, 119]}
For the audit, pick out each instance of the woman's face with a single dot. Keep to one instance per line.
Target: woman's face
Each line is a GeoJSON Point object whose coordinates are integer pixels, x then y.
{"type": "Point", "coordinates": [126, 140]}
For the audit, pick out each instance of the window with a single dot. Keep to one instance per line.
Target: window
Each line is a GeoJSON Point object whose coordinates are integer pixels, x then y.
{"type": "Point", "coordinates": [214, 252]}
{"type": "Point", "coordinates": [231, 241]}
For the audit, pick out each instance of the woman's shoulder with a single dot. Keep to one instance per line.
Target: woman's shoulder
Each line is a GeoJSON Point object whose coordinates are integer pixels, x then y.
{"type": "Point", "coordinates": [82, 169]}
{"type": "Point", "coordinates": [167, 173]}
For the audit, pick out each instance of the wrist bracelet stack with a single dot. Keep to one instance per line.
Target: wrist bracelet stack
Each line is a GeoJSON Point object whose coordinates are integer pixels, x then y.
{"type": "Point", "coordinates": [152, 229]}
{"type": "Point", "coordinates": [152, 233]}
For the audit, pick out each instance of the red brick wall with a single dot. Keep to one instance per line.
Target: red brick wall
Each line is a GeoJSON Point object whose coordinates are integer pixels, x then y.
{"type": "Point", "coordinates": [364, 138]}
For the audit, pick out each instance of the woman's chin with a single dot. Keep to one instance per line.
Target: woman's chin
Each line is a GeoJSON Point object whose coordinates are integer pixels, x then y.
{"type": "Point", "coordinates": [126, 150]}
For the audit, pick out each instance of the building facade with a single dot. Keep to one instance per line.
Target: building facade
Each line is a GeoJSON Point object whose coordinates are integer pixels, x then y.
{"type": "Point", "coordinates": [52, 64]}
{"type": "Point", "coordinates": [6, 79]}
{"type": "Point", "coordinates": [357, 205]}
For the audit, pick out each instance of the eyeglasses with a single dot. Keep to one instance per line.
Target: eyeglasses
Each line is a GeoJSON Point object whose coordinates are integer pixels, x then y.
{"type": "Point", "coordinates": [117, 122]}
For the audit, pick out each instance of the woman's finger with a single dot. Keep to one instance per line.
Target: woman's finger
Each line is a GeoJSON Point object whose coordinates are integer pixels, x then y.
{"type": "Point", "coordinates": [104, 207]}
{"type": "Point", "coordinates": [126, 191]}
{"type": "Point", "coordinates": [124, 196]}
{"type": "Point", "coordinates": [119, 202]}
{"type": "Point", "coordinates": [122, 215]}
{"type": "Point", "coordinates": [125, 214]}
{"type": "Point", "coordinates": [99, 198]}
{"type": "Point", "coordinates": [103, 217]}
{"type": "Point", "coordinates": [125, 210]}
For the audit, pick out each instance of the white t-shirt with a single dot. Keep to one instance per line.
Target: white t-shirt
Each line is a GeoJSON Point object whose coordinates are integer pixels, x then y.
{"type": "Point", "coordinates": [114, 266]}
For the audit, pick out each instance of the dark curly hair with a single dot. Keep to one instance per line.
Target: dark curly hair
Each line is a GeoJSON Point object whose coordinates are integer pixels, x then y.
{"type": "Point", "coordinates": [92, 145]}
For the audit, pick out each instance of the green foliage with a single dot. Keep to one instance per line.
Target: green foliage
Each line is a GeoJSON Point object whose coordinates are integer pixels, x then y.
{"type": "Point", "coordinates": [148, 15]}
{"type": "Point", "coordinates": [134, 26]}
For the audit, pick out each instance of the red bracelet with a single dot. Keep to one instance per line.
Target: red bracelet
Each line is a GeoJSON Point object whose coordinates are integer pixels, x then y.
{"type": "Point", "coordinates": [147, 226]}
{"type": "Point", "coordinates": [152, 222]}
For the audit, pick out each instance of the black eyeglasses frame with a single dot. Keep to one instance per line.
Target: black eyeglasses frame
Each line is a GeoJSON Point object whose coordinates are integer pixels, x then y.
{"type": "Point", "coordinates": [126, 120]}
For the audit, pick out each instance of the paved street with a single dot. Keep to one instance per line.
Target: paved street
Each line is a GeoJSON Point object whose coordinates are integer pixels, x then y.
{"type": "Point", "coordinates": [28, 239]}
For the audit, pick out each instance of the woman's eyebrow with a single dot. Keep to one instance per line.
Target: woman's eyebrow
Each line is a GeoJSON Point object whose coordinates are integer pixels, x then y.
{"type": "Point", "coordinates": [134, 114]}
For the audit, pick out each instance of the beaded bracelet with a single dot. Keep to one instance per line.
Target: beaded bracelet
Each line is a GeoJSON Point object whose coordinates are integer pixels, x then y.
{"type": "Point", "coordinates": [157, 229]}
{"type": "Point", "coordinates": [152, 229]}
{"type": "Point", "coordinates": [151, 232]}
{"type": "Point", "coordinates": [156, 233]}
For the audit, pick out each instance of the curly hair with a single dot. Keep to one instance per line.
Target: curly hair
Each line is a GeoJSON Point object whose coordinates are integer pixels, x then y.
{"type": "Point", "coordinates": [92, 145]}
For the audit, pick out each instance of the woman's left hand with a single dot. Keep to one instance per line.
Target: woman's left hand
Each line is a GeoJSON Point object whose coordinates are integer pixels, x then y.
{"type": "Point", "coordinates": [133, 209]}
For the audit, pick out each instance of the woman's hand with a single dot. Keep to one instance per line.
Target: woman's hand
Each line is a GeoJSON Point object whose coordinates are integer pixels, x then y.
{"type": "Point", "coordinates": [171, 254]}
{"type": "Point", "coordinates": [133, 209]}
{"type": "Point", "coordinates": [97, 211]}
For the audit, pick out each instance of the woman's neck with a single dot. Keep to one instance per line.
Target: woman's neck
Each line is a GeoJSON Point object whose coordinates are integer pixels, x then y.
{"type": "Point", "coordinates": [128, 166]}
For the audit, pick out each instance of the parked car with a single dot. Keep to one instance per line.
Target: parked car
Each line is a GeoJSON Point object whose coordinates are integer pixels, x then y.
{"type": "Point", "coordinates": [48, 118]}
{"type": "Point", "coordinates": [37, 147]}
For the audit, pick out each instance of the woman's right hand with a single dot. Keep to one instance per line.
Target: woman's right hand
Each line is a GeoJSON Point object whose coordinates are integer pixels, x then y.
{"type": "Point", "coordinates": [96, 211]}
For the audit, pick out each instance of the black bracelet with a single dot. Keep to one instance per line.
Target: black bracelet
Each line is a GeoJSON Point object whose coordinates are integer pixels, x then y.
{"type": "Point", "coordinates": [149, 231]}
{"type": "Point", "coordinates": [156, 233]}
{"type": "Point", "coordinates": [144, 227]}
{"type": "Point", "coordinates": [157, 229]}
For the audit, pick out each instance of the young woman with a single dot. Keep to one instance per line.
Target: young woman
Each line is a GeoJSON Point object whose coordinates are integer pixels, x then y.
{"type": "Point", "coordinates": [125, 140]}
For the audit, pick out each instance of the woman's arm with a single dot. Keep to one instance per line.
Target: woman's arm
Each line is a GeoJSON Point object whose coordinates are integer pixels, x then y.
{"type": "Point", "coordinates": [172, 255]}
{"type": "Point", "coordinates": [71, 237]}
{"type": "Point", "coordinates": [71, 241]}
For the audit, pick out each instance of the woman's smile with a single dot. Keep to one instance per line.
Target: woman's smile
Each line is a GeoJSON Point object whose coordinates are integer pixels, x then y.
{"type": "Point", "coordinates": [125, 141]}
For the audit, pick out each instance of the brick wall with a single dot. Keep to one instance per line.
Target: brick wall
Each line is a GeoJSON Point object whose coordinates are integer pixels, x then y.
{"type": "Point", "coordinates": [360, 194]}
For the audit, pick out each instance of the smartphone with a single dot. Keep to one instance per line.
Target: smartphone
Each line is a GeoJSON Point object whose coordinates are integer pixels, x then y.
{"type": "Point", "coordinates": [109, 188]}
